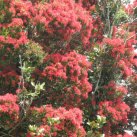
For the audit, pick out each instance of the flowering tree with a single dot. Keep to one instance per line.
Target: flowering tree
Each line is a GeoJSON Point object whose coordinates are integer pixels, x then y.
{"type": "Point", "coordinates": [67, 68]}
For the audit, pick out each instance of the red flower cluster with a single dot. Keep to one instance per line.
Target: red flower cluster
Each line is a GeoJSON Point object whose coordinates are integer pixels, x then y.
{"type": "Point", "coordinates": [9, 75]}
{"type": "Point", "coordinates": [64, 18]}
{"type": "Point", "coordinates": [14, 35]}
{"type": "Point", "coordinates": [114, 111]}
{"type": "Point", "coordinates": [9, 110]}
{"type": "Point", "coordinates": [22, 9]}
{"type": "Point", "coordinates": [123, 53]}
{"type": "Point", "coordinates": [72, 68]}
{"type": "Point", "coordinates": [114, 108]}
{"type": "Point", "coordinates": [126, 67]}
{"type": "Point", "coordinates": [115, 91]}
{"type": "Point", "coordinates": [57, 122]}
{"type": "Point", "coordinates": [117, 46]}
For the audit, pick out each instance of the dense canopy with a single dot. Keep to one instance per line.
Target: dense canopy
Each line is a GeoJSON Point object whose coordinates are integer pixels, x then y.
{"type": "Point", "coordinates": [68, 68]}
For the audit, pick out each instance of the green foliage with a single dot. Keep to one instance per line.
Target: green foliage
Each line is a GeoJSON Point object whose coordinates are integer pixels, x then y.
{"type": "Point", "coordinates": [33, 53]}
{"type": "Point", "coordinates": [95, 126]}
{"type": "Point", "coordinates": [121, 16]}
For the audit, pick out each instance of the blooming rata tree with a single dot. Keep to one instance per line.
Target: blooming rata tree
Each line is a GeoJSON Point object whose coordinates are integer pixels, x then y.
{"type": "Point", "coordinates": [67, 68]}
